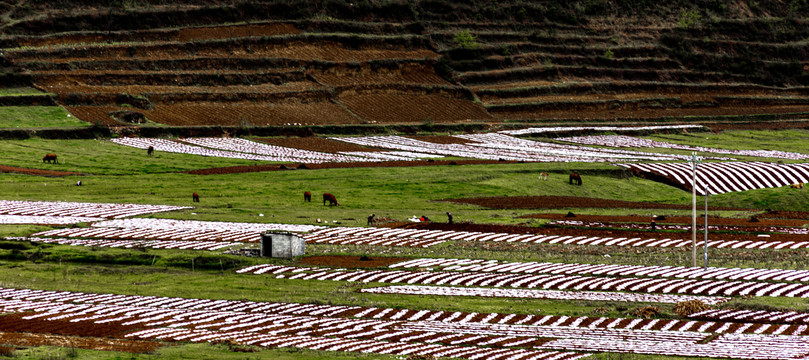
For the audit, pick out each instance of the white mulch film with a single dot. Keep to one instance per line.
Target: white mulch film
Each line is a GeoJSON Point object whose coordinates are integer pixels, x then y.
{"type": "Point", "coordinates": [350, 328]}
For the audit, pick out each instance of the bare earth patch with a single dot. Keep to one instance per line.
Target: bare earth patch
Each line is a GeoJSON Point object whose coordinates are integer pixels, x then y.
{"type": "Point", "coordinates": [39, 172]}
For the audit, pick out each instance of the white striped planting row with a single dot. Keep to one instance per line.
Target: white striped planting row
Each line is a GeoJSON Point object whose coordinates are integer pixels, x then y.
{"type": "Point", "coordinates": [180, 148]}
{"type": "Point", "coordinates": [156, 234]}
{"type": "Point", "coordinates": [207, 326]}
{"type": "Point", "coordinates": [224, 235]}
{"type": "Point", "coordinates": [556, 282]}
{"type": "Point", "coordinates": [758, 316]}
{"type": "Point", "coordinates": [723, 177]}
{"type": "Point", "coordinates": [711, 228]}
{"type": "Point", "coordinates": [558, 239]}
{"type": "Point", "coordinates": [97, 210]}
{"type": "Point", "coordinates": [319, 238]}
{"type": "Point", "coordinates": [541, 294]}
{"type": "Point", "coordinates": [128, 244]}
{"type": "Point", "coordinates": [499, 146]}
{"type": "Point", "coordinates": [595, 128]}
{"type": "Point", "coordinates": [57, 298]}
{"type": "Point", "coordinates": [353, 345]}
{"type": "Point", "coordinates": [216, 324]}
{"type": "Point", "coordinates": [629, 141]}
{"type": "Point", "coordinates": [46, 219]}
{"type": "Point", "coordinates": [775, 275]}
{"type": "Point", "coordinates": [392, 155]}
{"type": "Point", "coordinates": [280, 153]}
{"type": "Point", "coordinates": [171, 224]}
{"type": "Point", "coordinates": [563, 151]}
{"type": "Point", "coordinates": [721, 347]}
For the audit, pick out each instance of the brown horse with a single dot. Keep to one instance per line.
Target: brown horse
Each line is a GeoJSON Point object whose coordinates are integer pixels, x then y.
{"type": "Point", "coordinates": [307, 197]}
{"type": "Point", "coordinates": [49, 158]}
{"type": "Point", "coordinates": [150, 150]}
{"type": "Point", "coordinates": [330, 198]}
{"type": "Point", "coordinates": [543, 176]}
{"type": "Point", "coordinates": [797, 186]}
{"type": "Point", "coordinates": [575, 178]}
{"type": "Point", "coordinates": [195, 196]}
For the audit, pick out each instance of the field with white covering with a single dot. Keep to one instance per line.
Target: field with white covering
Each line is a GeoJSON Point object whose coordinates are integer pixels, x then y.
{"type": "Point", "coordinates": [134, 257]}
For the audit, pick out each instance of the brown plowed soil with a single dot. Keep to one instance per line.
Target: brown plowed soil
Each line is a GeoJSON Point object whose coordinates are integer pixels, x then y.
{"type": "Point", "coordinates": [679, 220]}
{"type": "Point", "coordinates": [779, 214]}
{"type": "Point", "coordinates": [224, 32]}
{"type": "Point", "coordinates": [27, 171]}
{"type": "Point", "coordinates": [257, 114]}
{"type": "Point", "coordinates": [15, 323]}
{"type": "Point", "coordinates": [349, 261]}
{"type": "Point", "coordinates": [397, 108]}
{"type": "Point", "coordinates": [256, 168]}
{"type": "Point", "coordinates": [645, 113]}
{"type": "Point", "coordinates": [90, 343]}
{"type": "Point", "coordinates": [563, 202]}
{"type": "Point", "coordinates": [407, 74]}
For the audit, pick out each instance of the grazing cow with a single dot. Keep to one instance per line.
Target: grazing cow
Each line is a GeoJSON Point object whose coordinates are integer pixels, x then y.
{"type": "Point", "coordinates": [797, 186]}
{"type": "Point", "coordinates": [195, 196]}
{"type": "Point", "coordinates": [543, 176]}
{"type": "Point", "coordinates": [575, 177]}
{"type": "Point", "coordinates": [307, 196]}
{"type": "Point", "coordinates": [330, 198]}
{"type": "Point", "coordinates": [49, 158]}
{"type": "Point", "coordinates": [150, 150]}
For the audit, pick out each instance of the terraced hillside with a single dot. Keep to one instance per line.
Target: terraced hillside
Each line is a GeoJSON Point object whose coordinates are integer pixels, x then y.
{"type": "Point", "coordinates": [312, 63]}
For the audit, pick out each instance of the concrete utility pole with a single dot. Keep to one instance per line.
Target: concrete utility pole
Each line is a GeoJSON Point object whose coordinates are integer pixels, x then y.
{"type": "Point", "coordinates": [706, 227]}
{"type": "Point", "coordinates": [694, 162]}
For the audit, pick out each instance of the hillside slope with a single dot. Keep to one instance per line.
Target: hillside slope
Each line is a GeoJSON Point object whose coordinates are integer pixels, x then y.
{"type": "Point", "coordinates": [312, 63]}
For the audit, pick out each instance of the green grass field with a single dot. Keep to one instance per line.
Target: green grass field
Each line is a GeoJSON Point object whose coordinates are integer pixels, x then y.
{"type": "Point", "coordinates": [119, 174]}
{"type": "Point", "coordinates": [23, 117]}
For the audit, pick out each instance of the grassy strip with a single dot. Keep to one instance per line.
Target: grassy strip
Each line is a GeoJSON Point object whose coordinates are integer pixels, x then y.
{"type": "Point", "coordinates": [20, 91]}
{"type": "Point", "coordinates": [21, 117]}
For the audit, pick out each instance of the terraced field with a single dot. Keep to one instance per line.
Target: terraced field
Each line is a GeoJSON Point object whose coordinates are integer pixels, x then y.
{"type": "Point", "coordinates": [406, 64]}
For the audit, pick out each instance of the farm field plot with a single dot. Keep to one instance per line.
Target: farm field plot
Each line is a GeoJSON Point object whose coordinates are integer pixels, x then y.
{"type": "Point", "coordinates": [341, 328]}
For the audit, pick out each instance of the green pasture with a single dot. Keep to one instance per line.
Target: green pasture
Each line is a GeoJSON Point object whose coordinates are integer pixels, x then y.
{"type": "Point", "coordinates": [119, 174]}
{"type": "Point", "coordinates": [23, 117]}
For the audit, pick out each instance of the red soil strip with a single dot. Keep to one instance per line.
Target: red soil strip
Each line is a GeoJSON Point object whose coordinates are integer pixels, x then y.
{"type": "Point", "coordinates": [349, 261]}
{"type": "Point", "coordinates": [225, 32]}
{"type": "Point", "coordinates": [779, 214]}
{"type": "Point", "coordinates": [563, 202]}
{"type": "Point", "coordinates": [91, 343]}
{"type": "Point", "coordinates": [256, 168]}
{"type": "Point", "coordinates": [16, 323]}
{"type": "Point", "coordinates": [27, 171]}
{"type": "Point", "coordinates": [712, 220]}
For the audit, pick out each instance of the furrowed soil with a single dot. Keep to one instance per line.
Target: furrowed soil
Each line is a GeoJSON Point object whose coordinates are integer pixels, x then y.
{"type": "Point", "coordinates": [38, 172]}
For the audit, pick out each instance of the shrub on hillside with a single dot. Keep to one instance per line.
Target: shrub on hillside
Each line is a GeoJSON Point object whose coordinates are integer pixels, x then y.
{"type": "Point", "coordinates": [686, 308]}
